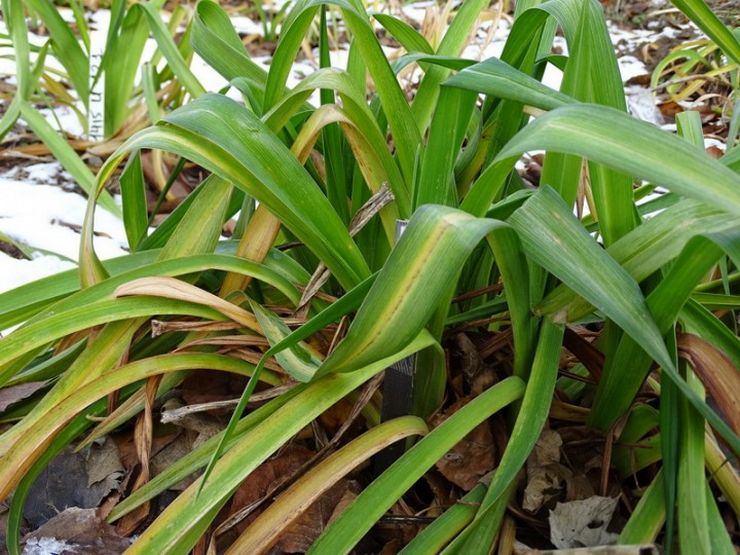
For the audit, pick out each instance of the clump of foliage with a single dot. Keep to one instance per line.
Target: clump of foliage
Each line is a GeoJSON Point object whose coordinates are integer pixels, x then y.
{"type": "Point", "coordinates": [654, 279]}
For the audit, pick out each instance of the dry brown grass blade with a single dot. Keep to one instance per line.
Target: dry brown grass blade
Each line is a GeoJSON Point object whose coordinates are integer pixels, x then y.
{"type": "Point", "coordinates": [227, 341]}
{"type": "Point", "coordinates": [159, 326]}
{"type": "Point", "coordinates": [258, 238]}
{"type": "Point", "coordinates": [375, 204]}
{"type": "Point", "coordinates": [585, 352]}
{"type": "Point", "coordinates": [172, 288]}
{"type": "Point", "coordinates": [143, 433]}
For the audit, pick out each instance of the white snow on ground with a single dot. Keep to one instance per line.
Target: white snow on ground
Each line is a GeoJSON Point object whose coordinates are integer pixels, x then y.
{"type": "Point", "coordinates": [35, 211]}
{"type": "Point", "coordinates": [38, 212]}
{"type": "Point", "coordinates": [48, 546]}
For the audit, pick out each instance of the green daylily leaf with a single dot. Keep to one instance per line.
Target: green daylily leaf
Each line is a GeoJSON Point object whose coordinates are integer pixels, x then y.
{"type": "Point", "coordinates": [380, 495]}
{"type": "Point", "coordinates": [612, 138]}
{"type": "Point", "coordinates": [178, 528]}
{"type": "Point", "coordinates": [298, 360]}
{"type": "Point", "coordinates": [426, 259]}
{"type": "Point", "coordinates": [546, 226]}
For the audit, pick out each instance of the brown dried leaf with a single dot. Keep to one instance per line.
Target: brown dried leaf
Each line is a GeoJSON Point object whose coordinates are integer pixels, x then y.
{"type": "Point", "coordinates": [83, 528]}
{"type": "Point", "coordinates": [545, 474]}
{"type": "Point", "coordinates": [204, 425]}
{"type": "Point", "coordinates": [265, 476]}
{"type": "Point", "coordinates": [646, 549]}
{"type": "Point", "coordinates": [208, 386]}
{"type": "Point", "coordinates": [104, 463]}
{"type": "Point", "coordinates": [583, 523]}
{"type": "Point", "coordinates": [472, 458]}
{"type": "Point", "coordinates": [300, 535]}
{"type": "Point", "coordinates": [14, 394]}
{"type": "Point", "coordinates": [585, 352]}
{"type": "Point", "coordinates": [64, 484]}
{"type": "Point", "coordinates": [470, 360]}
{"type": "Point", "coordinates": [143, 439]}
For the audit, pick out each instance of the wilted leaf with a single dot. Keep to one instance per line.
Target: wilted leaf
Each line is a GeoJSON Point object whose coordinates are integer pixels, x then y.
{"type": "Point", "coordinates": [583, 523]}
{"type": "Point", "coordinates": [202, 425]}
{"type": "Point", "coordinates": [718, 374]}
{"type": "Point", "coordinates": [64, 484]}
{"type": "Point", "coordinates": [603, 550]}
{"type": "Point", "coordinates": [171, 288]}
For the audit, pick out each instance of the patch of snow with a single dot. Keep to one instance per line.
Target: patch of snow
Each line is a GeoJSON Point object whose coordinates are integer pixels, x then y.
{"type": "Point", "coordinates": [630, 67]}
{"type": "Point", "coordinates": [641, 104]}
{"type": "Point", "coordinates": [210, 79]}
{"type": "Point", "coordinates": [46, 172]}
{"type": "Point", "coordinates": [44, 217]}
{"type": "Point", "coordinates": [65, 119]}
{"type": "Point", "coordinates": [417, 11]}
{"type": "Point", "coordinates": [711, 142]}
{"type": "Point", "coordinates": [48, 546]}
{"type": "Point", "coordinates": [39, 213]}
{"type": "Point", "coordinates": [553, 77]}
{"type": "Point", "coordinates": [560, 43]}
{"type": "Point", "coordinates": [245, 25]}
{"type": "Point", "coordinates": [17, 272]}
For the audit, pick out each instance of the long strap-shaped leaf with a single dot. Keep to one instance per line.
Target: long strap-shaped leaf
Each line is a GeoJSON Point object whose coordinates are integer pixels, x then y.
{"type": "Point", "coordinates": [405, 132]}
{"type": "Point", "coordinates": [124, 46]}
{"type": "Point", "coordinates": [615, 139]}
{"type": "Point", "coordinates": [454, 40]}
{"type": "Point", "coordinates": [546, 225]}
{"type": "Point", "coordinates": [21, 455]}
{"type": "Point", "coordinates": [216, 41]}
{"type": "Point", "coordinates": [647, 248]}
{"type": "Point", "coordinates": [446, 526]}
{"type": "Point", "coordinates": [533, 414]}
{"type": "Point", "coordinates": [197, 232]}
{"type": "Point", "coordinates": [179, 267]}
{"type": "Point", "coordinates": [422, 265]}
{"type": "Point", "coordinates": [625, 371]}
{"type": "Point", "coordinates": [178, 528]}
{"type": "Point", "coordinates": [169, 49]}
{"type": "Point", "coordinates": [53, 327]}
{"type": "Point", "coordinates": [292, 503]}
{"type": "Point", "coordinates": [701, 14]}
{"type": "Point", "coordinates": [230, 141]}
{"type": "Point", "coordinates": [66, 48]}
{"type": "Point", "coordinates": [426, 259]}
{"type": "Point", "coordinates": [379, 496]}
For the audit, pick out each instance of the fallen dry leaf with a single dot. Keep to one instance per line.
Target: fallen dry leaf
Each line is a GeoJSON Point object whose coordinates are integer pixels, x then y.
{"type": "Point", "coordinates": [265, 477]}
{"type": "Point", "coordinates": [11, 395]}
{"type": "Point", "coordinates": [104, 463]}
{"type": "Point", "coordinates": [203, 425]}
{"type": "Point", "coordinates": [603, 550]}
{"type": "Point", "coordinates": [64, 484]}
{"type": "Point", "coordinates": [84, 529]}
{"type": "Point", "coordinates": [300, 535]}
{"type": "Point", "coordinates": [583, 523]}
{"type": "Point", "coordinates": [585, 352]}
{"type": "Point", "coordinates": [208, 386]}
{"type": "Point", "coordinates": [473, 456]}
{"type": "Point", "coordinates": [545, 474]}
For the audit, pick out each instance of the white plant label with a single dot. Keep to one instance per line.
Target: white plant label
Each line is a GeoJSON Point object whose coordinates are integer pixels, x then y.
{"type": "Point", "coordinates": [96, 103]}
